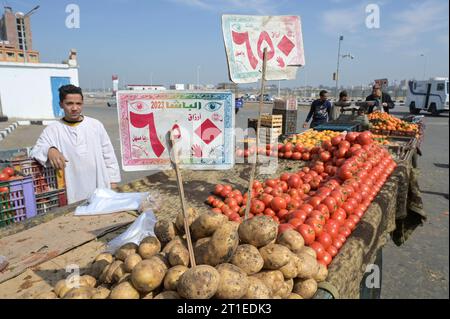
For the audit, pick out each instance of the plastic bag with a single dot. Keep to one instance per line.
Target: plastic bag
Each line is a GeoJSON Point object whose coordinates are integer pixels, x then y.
{"type": "Point", "coordinates": [142, 227]}
{"type": "Point", "coordinates": [106, 201]}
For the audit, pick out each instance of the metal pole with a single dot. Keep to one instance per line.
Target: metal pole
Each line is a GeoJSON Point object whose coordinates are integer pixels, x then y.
{"type": "Point", "coordinates": [337, 69]}
{"type": "Point", "coordinates": [22, 30]}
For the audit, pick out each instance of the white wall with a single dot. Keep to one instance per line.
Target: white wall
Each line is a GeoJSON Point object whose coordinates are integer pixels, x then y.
{"type": "Point", "coordinates": [25, 88]}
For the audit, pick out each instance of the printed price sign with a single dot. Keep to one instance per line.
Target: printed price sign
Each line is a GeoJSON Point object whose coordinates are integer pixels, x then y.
{"type": "Point", "coordinates": [203, 123]}
{"type": "Point", "coordinates": [246, 37]}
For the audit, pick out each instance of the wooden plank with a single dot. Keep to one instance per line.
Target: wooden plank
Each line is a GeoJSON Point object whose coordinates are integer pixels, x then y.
{"type": "Point", "coordinates": [49, 240]}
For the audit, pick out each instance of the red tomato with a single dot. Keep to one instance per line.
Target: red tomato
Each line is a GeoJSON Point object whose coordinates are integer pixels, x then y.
{"type": "Point", "coordinates": [350, 224]}
{"type": "Point", "coordinates": [278, 203]}
{"type": "Point", "coordinates": [224, 193]}
{"type": "Point", "coordinates": [296, 222]}
{"type": "Point", "coordinates": [293, 204]}
{"type": "Point", "coordinates": [344, 230]}
{"type": "Point", "coordinates": [228, 188]}
{"type": "Point", "coordinates": [325, 239]}
{"type": "Point", "coordinates": [296, 156]}
{"type": "Point", "coordinates": [337, 243]}
{"type": "Point", "coordinates": [365, 138]}
{"type": "Point", "coordinates": [331, 230]}
{"type": "Point", "coordinates": [347, 207]}
{"type": "Point", "coordinates": [336, 140]}
{"type": "Point", "coordinates": [326, 259]}
{"type": "Point", "coordinates": [257, 206]}
{"type": "Point", "coordinates": [354, 218]}
{"type": "Point", "coordinates": [285, 177]}
{"type": "Point", "coordinates": [324, 210]}
{"type": "Point", "coordinates": [325, 156]}
{"type": "Point", "coordinates": [300, 214]}
{"type": "Point", "coordinates": [268, 190]}
{"type": "Point", "coordinates": [333, 251]}
{"type": "Point", "coordinates": [210, 200]}
{"type": "Point", "coordinates": [269, 212]}
{"type": "Point", "coordinates": [257, 184]}
{"type": "Point", "coordinates": [316, 224]}
{"type": "Point", "coordinates": [314, 201]}
{"type": "Point", "coordinates": [307, 208]}
{"type": "Point", "coordinates": [307, 233]}
{"type": "Point", "coordinates": [286, 197]}
{"type": "Point", "coordinates": [293, 192]}
{"type": "Point", "coordinates": [231, 202]}
{"type": "Point", "coordinates": [294, 181]}
{"type": "Point", "coordinates": [239, 199]}
{"type": "Point", "coordinates": [319, 216]}
{"type": "Point", "coordinates": [339, 218]}
{"type": "Point", "coordinates": [330, 203]}
{"type": "Point", "coordinates": [318, 248]}
{"type": "Point", "coordinates": [306, 156]}
{"type": "Point", "coordinates": [283, 227]}
{"type": "Point", "coordinates": [266, 199]}
{"type": "Point", "coordinates": [277, 191]}
{"type": "Point", "coordinates": [270, 183]}
{"type": "Point", "coordinates": [4, 177]}
{"type": "Point", "coordinates": [8, 171]}
{"type": "Point", "coordinates": [284, 186]}
{"type": "Point", "coordinates": [283, 214]}
{"type": "Point", "coordinates": [306, 188]}
{"type": "Point", "coordinates": [275, 218]}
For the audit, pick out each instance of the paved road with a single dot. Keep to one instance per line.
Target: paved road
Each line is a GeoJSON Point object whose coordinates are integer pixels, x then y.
{"type": "Point", "coordinates": [419, 268]}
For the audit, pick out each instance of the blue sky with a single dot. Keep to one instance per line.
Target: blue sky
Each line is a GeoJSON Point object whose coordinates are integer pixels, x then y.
{"type": "Point", "coordinates": [166, 40]}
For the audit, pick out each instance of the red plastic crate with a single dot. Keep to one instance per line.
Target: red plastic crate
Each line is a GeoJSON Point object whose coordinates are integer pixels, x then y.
{"type": "Point", "coordinates": [17, 201]}
{"type": "Point", "coordinates": [45, 202]}
{"type": "Point", "coordinates": [45, 179]}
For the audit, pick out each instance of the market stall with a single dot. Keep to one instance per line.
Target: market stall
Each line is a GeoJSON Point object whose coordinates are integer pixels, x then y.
{"type": "Point", "coordinates": [35, 269]}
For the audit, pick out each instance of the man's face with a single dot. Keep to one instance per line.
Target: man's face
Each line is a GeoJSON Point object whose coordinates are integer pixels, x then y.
{"type": "Point", "coordinates": [377, 92]}
{"type": "Point", "coordinates": [73, 106]}
{"type": "Point", "coordinates": [324, 97]}
{"type": "Point", "coordinates": [344, 98]}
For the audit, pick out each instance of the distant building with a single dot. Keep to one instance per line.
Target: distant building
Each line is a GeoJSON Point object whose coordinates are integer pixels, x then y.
{"type": "Point", "coordinates": [144, 87]}
{"type": "Point", "coordinates": [227, 86]}
{"type": "Point", "coordinates": [16, 40]}
{"type": "Point", "coordinates": [177, 87]}
{"type": "Point", "coordinates": [191, 87]}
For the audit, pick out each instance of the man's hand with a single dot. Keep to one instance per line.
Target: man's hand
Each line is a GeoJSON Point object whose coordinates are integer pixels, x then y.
{"type": "Point", "coordinates": [57, 160]}
{"type": "Point", "coordinates": [305, 125]}
{"type": "Point", "coordinates": [385, 104]}
{"type": "Point", "coordinates": [113, 186]}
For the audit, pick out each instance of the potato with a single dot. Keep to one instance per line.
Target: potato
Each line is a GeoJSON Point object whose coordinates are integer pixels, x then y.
{"type": "Point", "coordinates": [126, 250]}
{"type": "Point", "coordinates": [257, 289]}
{"type": "Point", "coordinates": [148, 296]}
{"type": "Point", "coordinates": [80, 293]}
{"type": "Point", "coordinates": [286, 289]}
{"type": "Point", "coordinates": [290, 269]}
{"type": "Point", "coordinates": [179, 222]}
{"type": "Point", "coordinates": [163, 260]}
{"type": "Point", "coordinates": [309, 251]}
{"type": "Point", "coordinates": [105, 256]}
{"type": "Point", "coordinates": [98, 267]}
{"type": "Point", "coordinates": [119, 273]}
{"type": "Point", "coordinates": [88, 281]}
{"type": "Point", "coordinates": [273, 279]}
{"type": "Point", "coordinates": [206, 224]}
{"type": "Point", "coordinates": [61, 288]}
{"type": "Point", "coordinates": [305, 287]}
{"type": "Point", "coordinates": [168, 295]}
{"type": "Point", "coordinates": [294, 296]}
{"type": "Point", "coordinates": [173, 276]}
{"type": "Point", "coordinates": [201, 251]}
{"type": "Point", "coordinates": [165, 231]}
{"type": "Point", "coordinates": [307, 266]}
{"type": "Point", "coordinates": [179, 255]}
{"type": "Point", "coordinates": [223, 244]}
{"type": "Point", "coordinates": [292, 240]}
{"type": "Point", "coordinates": [47, 295]}
{"type": "Point", "coordinates": [125, 290]}
{"type": "Point", "coordinates": [108, 276]}
{"type": "Point", "coordinates": [176, 241]}
{"type": "Point", "coordinates": [148, 275]}
{"type": "Point", "coordinates": [233, 282]}
{"type": "Point", "coordinates": [131, 262]}
{"type": "Point", "coordinates": [149, 247]}
{"type": "Point", "coordinates": [258, 231]}
{"type": "Point", "coordinates": [322, 273]}
{"type": "Point", "coordinates": [200, 282]}
{"type": "Point", "coordinates": [248, 258]}
{"type": "Point", "coordinates": [101, 293]}
{"type": "Point", "coordinates": [275, 256]}
{"type": "Point", "coordinates": [125, 277]}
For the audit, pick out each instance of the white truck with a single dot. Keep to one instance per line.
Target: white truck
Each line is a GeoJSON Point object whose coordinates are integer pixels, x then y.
{"type": "Point", "coordinates": [431, 96]}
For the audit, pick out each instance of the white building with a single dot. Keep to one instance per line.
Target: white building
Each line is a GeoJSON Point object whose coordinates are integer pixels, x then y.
{"type": "Point", "coordinates": [30, 90]}
{"type": "Point", "coordinates": [177, 87]}
{"type": "Point", "coordinates": [144, 87]}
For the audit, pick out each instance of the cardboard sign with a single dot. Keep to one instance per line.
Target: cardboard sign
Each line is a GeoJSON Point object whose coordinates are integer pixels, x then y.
{"type": "Point", "coordinates": [203, 122]}
{"type": "Point", "coordinates": [246, 37]}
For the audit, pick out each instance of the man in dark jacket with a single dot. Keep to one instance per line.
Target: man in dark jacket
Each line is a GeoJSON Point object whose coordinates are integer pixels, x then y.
{"type": "Point", "coordinates": [383, 101]}
{"type": "Point", "coordinates": [320, 111]}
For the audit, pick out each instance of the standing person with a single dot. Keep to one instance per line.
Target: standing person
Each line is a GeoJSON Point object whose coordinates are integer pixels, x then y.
{"type": "Point", "coordinates": [320, 111]}
{"type": "Point", "coordinates": [343, 98]}
{"type": "Point", "coordinates": [383, 101]}
{"type": "Point", "coordinates": [79, 145]}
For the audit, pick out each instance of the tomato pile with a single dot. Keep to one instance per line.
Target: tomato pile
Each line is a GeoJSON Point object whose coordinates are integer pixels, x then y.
{"type": "Point", "coordinates": [323, 201]}
{"type": "Point", "coordinates": [6, 175]}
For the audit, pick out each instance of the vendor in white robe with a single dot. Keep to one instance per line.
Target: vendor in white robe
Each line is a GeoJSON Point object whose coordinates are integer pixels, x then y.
{"type": "Point", "coordinates": [81, 146]}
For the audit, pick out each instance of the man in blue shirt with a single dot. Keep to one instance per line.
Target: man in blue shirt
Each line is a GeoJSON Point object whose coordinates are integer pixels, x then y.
{"type": "Point", "coordinates": [320, 111]}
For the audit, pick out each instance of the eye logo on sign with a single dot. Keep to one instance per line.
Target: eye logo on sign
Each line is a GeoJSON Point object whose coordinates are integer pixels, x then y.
{"type": "Point", "coordinates": [213, 106]}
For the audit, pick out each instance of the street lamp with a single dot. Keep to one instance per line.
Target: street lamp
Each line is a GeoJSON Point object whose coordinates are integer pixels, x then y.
{"type": "Point", "coordinates": [22, 17]}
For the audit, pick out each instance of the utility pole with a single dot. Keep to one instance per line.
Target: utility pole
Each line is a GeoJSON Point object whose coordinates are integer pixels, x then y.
{"type": "Point", "coordinates": [341, 38]}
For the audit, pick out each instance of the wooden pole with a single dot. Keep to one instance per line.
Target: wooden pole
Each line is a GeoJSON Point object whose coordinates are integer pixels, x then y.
{"type": "Point", "coordinates": [182, 199]}
{"type": "Point", "coordinates": [261, 101]}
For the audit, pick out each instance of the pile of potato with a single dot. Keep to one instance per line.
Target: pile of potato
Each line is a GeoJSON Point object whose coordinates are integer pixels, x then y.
{"type": "Point", "coordinates": [234, 261]}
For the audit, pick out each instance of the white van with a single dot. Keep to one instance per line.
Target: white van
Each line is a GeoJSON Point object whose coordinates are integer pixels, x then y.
{"type": "Point", "coordinates": [431, 96]}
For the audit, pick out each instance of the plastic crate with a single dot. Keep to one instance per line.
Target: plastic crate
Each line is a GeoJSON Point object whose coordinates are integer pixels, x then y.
{"type": "Point", "coordinates": [47, 201]}
{"type": "Point", "coordinates": [289, 120]}
{"type": "Point", "coordinates": [338, 127]}
{"type": "Point", "coordinates": [45, 179]}
{"type": "Point", "coordinates": [18, 202]}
